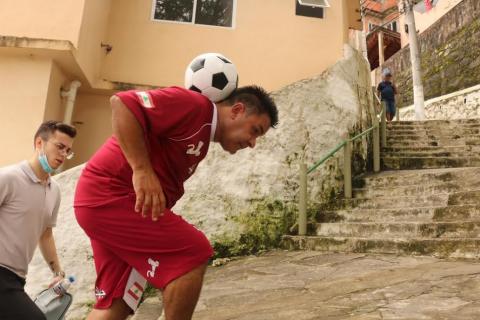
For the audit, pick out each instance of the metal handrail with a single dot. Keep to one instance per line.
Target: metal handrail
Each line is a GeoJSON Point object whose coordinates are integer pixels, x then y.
{"type": "Point", "coordinates": [326, 157]}
{"type": "Point", "coordinates": [347, 145]}
{"type": "Point", "coordinates": [341, 145]}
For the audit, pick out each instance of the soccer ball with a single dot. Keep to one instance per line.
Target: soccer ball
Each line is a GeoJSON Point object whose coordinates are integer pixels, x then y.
{"type": "Point", "coordinates": [212, 75]}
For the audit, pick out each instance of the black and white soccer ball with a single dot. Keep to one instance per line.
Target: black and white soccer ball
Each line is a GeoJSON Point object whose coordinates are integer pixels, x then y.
{"type": "Point", "coordinates": [213, 75]}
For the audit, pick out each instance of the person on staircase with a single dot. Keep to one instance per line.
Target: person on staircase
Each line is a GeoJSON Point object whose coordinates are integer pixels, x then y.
{"type": "Point", "coordinates": [387, 91]}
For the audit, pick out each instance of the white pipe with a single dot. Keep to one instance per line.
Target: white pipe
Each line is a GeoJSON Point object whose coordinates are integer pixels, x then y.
{"type": "Point", "coordinates": [70, 95]}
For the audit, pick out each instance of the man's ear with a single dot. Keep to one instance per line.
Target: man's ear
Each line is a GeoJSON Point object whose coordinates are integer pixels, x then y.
{"type": "Point", "coordinates": [38, 143]}
{"type": "Point", "coordinates": [237, 109]}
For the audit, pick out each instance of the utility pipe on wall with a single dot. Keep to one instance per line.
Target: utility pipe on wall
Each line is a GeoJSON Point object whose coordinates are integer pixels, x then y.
{"type": "Point", "coordinates": [70, 95]}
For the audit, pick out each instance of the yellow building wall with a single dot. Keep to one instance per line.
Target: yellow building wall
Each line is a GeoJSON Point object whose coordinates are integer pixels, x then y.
{"type": "Point", "coordinates": [55, 105]}
{"type": "Point", "coordinates": [269, 44]}
{"type": "Point", "coordinates": [90, 54]}
{"type": "Point", "coordinates": [46, 19]}
{"type": "Point", "coordinates": [22, 104]}
{"type": "Point", "coordinates": [92, 118]}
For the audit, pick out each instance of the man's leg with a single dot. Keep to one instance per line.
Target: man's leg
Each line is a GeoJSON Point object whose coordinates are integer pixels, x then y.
{"type": "Point", "coordinates": [113, 275]}
{"type": "Point", "coordinates": [117, 311]}
{"type": "Point", "coordinates": [181, 295]}
{"type": "Point", "coordinates": [15, 304]}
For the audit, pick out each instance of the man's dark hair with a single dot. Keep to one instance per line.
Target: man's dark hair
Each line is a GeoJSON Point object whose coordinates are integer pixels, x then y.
{"type": "Point", "coordinates": [49, 127]}
{"type": "Point", "coordinates": [256, 100]}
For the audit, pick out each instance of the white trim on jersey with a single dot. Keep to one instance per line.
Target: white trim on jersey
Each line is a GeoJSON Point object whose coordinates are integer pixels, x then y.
{"type": "Point", "coordinates": [213, 124]}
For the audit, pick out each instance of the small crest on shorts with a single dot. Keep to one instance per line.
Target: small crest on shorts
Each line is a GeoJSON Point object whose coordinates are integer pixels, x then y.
{"type": "Point", "coordinates": [99, 293]}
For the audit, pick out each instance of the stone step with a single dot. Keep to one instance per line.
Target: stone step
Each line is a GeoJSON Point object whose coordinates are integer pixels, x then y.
{"type": "Point", "coordinates": [451, 138]}
{"type": "Point", "coordinates": [431, 143]}
{"type": "Point", "coordinates": [442, 248]}
{"type": "Point", "coordinates": [388, 230]}
{"type": "Point", "coordinates": [433, 131]}
{"type": "Point", "coordinates": [392, 179]}
{"type": "Point", "coordinates": [454, 122]}
{"type": "Point", "coordinates": [416, 189]}
{"type": "Point", "coordinates": [451, 149]}
{"type": "Point", "coordinates": [393, 202]}
{"type": "Point", "coordinates": [430, 154]}
{"type": "Point", "coordinates": [400, 163]}
{"type": "Point", "coordinates": [464, 197]}
{"type": "Point", "coordinates": [434, 213]}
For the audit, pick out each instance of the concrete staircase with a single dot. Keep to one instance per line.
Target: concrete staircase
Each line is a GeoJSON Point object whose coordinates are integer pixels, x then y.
{"type": "Point", "coordinates": [427, 202]}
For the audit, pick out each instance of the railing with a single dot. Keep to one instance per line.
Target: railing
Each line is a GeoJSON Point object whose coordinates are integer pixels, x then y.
{"type": "Point", "coordinates": [379, 139]}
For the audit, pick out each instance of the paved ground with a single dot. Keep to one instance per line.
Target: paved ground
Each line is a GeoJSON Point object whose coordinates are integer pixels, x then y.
{"type": "Point", "coordinates": [305, 285]}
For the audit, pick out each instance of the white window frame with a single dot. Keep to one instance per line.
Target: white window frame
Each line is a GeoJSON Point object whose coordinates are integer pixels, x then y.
{"type": "Point", "coordinates": [234, 17]}
{"type": "Point", "coordinates": [315, 3]}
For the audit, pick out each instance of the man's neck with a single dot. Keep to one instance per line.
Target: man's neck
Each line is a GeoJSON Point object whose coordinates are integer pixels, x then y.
{"type": "Point", "coordinates": [37, 169]}
{"type": "Point", "coordinates": [222, 112]}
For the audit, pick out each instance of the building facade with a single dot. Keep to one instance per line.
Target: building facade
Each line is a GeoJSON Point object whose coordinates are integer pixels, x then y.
{"type": "Point", "coordinates": [109, 46]}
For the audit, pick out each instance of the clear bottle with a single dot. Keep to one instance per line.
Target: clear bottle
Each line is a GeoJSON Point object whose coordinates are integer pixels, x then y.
{"type": "Point", "coordinates": [59, 289]}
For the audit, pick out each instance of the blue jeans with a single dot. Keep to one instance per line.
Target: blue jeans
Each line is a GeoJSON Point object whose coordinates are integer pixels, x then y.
{"type": "Point", "coordinates": [390, 104]}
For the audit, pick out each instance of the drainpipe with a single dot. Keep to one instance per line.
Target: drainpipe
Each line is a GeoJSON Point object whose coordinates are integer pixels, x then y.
{"type": "Point", "coordinates": [70, 95]}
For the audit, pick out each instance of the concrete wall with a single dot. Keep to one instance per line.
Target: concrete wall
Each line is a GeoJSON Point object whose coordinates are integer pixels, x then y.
{"type": "Point", "coordinates": [254, 192]}
{"type": "Point", "coordinates": [48, 19]}
{"type": "Point", "coordinates": [450, 53]}
{"type": "Point", "coordinates": [269, 44]}
{"type": "Point", "coordinates": [23, 99]}
{"type": "Point", "coordinates": [423, 21]}
{"type": "Point", "coordinates": [463, 104]}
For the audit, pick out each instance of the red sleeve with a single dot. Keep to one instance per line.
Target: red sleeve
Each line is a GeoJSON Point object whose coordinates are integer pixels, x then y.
{"type": "Point", "coordinates": [165, 112]}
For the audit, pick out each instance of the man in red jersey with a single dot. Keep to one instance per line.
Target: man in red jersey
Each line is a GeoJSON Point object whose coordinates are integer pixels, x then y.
{"type": "Point", "coordinates": [159, 137]}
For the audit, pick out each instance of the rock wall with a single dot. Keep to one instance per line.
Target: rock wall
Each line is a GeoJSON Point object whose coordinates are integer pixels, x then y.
{"type": "Point", "coordinates": [450, 55]}
{"type": "Point", "coordinates": [464, 104]}
{"type": "Point", "coordinates": [246, 201]}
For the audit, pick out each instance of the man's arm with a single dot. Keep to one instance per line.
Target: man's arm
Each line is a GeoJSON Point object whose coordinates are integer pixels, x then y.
{"type": "Point", "coordinates": [49, 251]}
{"type": "Point", "coordinates": [130, 135]}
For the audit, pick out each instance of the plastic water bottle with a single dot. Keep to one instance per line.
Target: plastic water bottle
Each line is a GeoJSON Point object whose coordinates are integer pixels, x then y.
{"type": "Point", "coordinates": [49, 295]}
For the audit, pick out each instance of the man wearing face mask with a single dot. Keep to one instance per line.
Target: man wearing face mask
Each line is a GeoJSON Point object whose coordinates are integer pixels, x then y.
{"type": "Point", "coordinates": [29, 202]}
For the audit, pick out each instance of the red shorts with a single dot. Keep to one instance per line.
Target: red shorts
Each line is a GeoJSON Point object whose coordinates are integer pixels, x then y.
{"type": "Point", "coordinates": [130, 250]}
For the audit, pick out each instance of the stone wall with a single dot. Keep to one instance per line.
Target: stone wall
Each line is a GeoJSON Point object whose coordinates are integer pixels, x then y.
{"type": "Point", "coordinates": [464, 104]}
{"type": "Point", "coordinates": [450, 54]}
{"type": "Point", "coordinates": [244, 202]}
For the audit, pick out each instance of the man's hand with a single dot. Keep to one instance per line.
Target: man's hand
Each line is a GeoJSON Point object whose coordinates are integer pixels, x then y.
{"type": "Point", "coordinates": [149, 193]}
{"type": "Point", "coordinates": [55, 280]}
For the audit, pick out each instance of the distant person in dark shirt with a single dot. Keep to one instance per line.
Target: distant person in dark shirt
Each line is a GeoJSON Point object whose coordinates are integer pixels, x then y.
{"type": "Point", "coordinates": [387, 91]}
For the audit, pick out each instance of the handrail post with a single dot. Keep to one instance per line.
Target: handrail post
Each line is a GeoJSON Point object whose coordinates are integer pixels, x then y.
{"type": "Point", "coordinates": [384, 125]}
{"type": "Point", "coordinates": [302, 208]}
{"type": "Point", "coordinates": [347, 169]}
{"type": "Point", "coordinates": [376, 145]}
{"type": "Point", "coordinates": [397, 115]}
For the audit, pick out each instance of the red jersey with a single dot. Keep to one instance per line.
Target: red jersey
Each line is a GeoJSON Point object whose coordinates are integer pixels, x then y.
{"type": "Point", "coordinates": [178, 126]}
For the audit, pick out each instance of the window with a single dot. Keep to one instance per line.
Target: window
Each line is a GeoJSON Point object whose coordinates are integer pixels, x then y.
{"type": "Point", "coordinates": [392, 26]}
{"type": "Point", "coordinates": [315, 3]}
{"type": "Point", "coordinates": [205, 12]}
{"type": "Point", "coordinates": [310, 8]}
{"type": "Point", "coordinates": [371, 26]}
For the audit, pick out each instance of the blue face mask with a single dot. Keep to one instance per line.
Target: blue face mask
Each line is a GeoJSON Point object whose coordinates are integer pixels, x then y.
{"type": "Point", "coordinates": [42, 158]}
